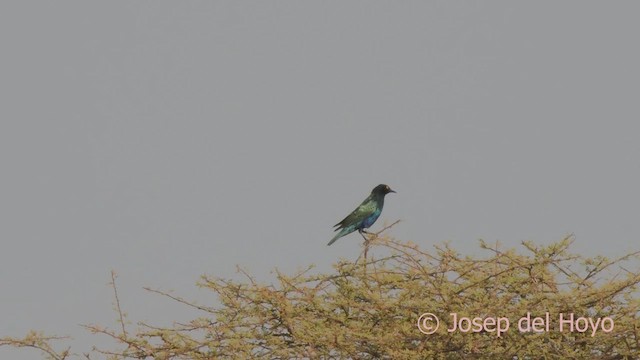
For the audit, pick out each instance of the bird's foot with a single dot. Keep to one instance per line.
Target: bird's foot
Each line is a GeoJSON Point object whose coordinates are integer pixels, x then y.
{"type": "Point", "coordinates": [367, 236]}
{"type": "Point", "coordinates": [371, 235]}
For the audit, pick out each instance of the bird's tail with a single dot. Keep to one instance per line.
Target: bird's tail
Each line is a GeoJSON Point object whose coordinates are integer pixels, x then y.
{"type": "Point", "coordinates": [342, 233]}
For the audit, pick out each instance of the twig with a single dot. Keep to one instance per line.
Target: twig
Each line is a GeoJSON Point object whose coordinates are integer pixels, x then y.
{"type": "Point", "coordinates": [367, 241]}
{"type": "Point", "coordinates": [180, 300]}
{"type": "Point", "coordinates": [37, 341]}
{"type": "Point", "coordinates": [118, 308]}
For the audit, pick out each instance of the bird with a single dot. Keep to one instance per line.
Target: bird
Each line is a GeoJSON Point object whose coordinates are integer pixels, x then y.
{"type": "Point", "coordinates": [364, 215]}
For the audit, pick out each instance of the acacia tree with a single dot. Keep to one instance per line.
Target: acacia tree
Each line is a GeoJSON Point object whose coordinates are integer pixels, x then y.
{"type": "Point", "coordinates": [369, 309]}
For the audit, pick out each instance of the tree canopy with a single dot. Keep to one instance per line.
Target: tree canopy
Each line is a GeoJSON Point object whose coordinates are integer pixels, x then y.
{"type": "Point", "coordinates": [371, 308]}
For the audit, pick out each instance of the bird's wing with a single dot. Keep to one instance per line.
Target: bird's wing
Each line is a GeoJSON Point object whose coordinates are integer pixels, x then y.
{"type": "Point", "coordinates": [365, 209]}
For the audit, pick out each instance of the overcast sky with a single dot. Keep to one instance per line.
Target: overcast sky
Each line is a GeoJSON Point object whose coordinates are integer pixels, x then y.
{"type": "Point", "coordinates": [166, 140]}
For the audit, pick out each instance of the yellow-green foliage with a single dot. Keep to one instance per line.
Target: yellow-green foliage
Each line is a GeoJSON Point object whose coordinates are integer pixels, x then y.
{"type": "Point", "coordinates": [369, 309]}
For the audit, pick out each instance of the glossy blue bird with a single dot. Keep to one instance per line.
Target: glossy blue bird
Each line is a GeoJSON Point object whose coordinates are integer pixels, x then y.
{"type": "Point", "coordinates": [364, 215]}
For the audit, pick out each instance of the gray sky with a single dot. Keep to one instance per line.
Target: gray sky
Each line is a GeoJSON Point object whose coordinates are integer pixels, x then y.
{"type": "Point", "coordinates": [166, 140]}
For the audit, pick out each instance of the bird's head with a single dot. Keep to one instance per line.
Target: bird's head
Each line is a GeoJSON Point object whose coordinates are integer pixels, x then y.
{"type": "Point", "coordinates": [382, 189]}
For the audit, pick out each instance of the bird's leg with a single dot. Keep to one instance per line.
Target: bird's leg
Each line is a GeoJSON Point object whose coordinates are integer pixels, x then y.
{"type": "Point", "coordinates": [366, 243]}
{"type": "Point", "coordinates": [362, 232]}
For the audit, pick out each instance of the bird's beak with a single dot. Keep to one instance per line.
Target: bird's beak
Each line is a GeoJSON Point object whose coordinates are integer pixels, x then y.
{"type": "Point", "coordinates": [392, 191]}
